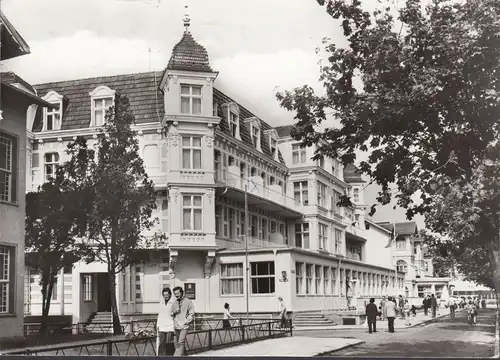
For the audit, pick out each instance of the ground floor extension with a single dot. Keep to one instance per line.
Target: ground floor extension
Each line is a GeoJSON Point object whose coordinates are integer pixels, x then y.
{"type": "Point", "coordinates": [307, 281]}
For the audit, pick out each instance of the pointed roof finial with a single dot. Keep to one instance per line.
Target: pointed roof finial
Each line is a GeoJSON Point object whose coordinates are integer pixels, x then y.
{"type": "Point", "coordinates": [186, 19]}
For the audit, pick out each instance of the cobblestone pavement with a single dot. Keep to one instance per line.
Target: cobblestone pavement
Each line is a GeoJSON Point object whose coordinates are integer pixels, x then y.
{"type": "Point", "coordinates": [444, 338]}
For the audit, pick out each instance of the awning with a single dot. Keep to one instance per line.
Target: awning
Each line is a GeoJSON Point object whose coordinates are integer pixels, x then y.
{"type": "Point", "coordinates": [354, 236]}
{"type": "Point", "coordinates": [258, 201]}
{"type": "Point", "coordinates": [33, 98]}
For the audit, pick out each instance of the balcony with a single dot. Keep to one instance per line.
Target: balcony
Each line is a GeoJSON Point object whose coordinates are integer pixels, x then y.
{"type": "Point", "coordinates": [238, 243]}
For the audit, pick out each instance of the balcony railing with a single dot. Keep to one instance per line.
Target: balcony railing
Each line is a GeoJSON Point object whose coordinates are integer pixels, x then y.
{"type": "Point", "coordinates": [253, 243]}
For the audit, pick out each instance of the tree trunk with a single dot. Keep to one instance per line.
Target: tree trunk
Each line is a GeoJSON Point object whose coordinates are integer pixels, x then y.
{"type": "Point", "coordinates": [46, 303]}
{"type": "Point", "coordinates": [117, 328]}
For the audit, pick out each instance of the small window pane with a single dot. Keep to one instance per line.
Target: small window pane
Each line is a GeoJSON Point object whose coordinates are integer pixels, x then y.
{"type": "Point", "coordinates": [197, 219]}
{"type": "Point", "coordinates": [185, 89]}
{"type": "Point", "coordinates": [197, 106]}
{"type": "Point", "coordinates": [197, 142]}
{"type": "Point", "coordinates": [186, 200]}
{"type": "Point", "coordinates": [187, 219]}
{"type": "Point", "coordinates": [196, 159]}
{"type": "Point", "coordinates": [196, 90]}
{"type": "Point", "coordinates": [186, 141]}
{"type": "Point", "coordinates": [197, 200]}
{"type": "Point", "coordinates": [185, 105]}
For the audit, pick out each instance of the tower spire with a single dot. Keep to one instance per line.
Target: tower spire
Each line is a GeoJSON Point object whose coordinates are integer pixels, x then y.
{"type": "Point", "coordinates": [186, 19]}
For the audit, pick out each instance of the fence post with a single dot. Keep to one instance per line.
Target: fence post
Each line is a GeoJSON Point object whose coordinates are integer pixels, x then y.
{"type": "Point", "coordinates": [109, 348]}
{"type": "Point", "coordinates": [132, 326]}
{"type": "Point", "coordinates": [210, 339]}
{"type": "Point", "coordinates": [269, 328]}
{"type": "Point", "coordinates": [291, 327]}
{"type": "Point", "coordinates": [242, 330]}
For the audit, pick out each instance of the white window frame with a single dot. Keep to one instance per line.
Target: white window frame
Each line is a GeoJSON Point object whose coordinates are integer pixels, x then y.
{"type": "Point", "coordinates": [164, 213]}
{"type": "Point", "coordinates": [53, 165]}
{"type": "Point", "coordinates": [272, 277]}
{"type": "Point", "coordinates": [318, 280]}
{"type": "Point", "coordinates": [299, 278]}
{"type": "Point", "coordinates": [402, 266]}
{"type": "Point", "coordinates": [101, 93]}
{"type": "Point", "coordinates": [309, 278]}
{"type": "Point", "coordinates": [192, 208]}
{"type": "Point", "coordinates": [7, 278]}
{"type": "Point", "coordinates": [299, 154]}
{"type": "Point", "coordinates": [326, 280]}
{"type": "Point", "coordinates": [191, 96]}
{"type": "Point", "coordinates": [234, 123]}
{"type": "Point", "coordinates": [88, 294]}
{"type": "Point", "coordinates": [303, 191]}
{"type": "Point", "coordinates": [355, 194]}
{"type": "Point", "coordinates": [273, 146]}
{"type": "Point", "coordinates": [321, 195]}
{"type": "Point", "coordinates": [304, 229]}
{"type": "Point", "coordinates": [192, 150]}
{"type": "Point", "coordinates": [8, 173]}
{"type": "Point", "coordinates": [56, 99]}
{"type": "Point", "coordinates": [338, 240]}
{"type": "Point", "coordinates": [224, 278]}
{"type": "Point", "coordinates": [323, 236]}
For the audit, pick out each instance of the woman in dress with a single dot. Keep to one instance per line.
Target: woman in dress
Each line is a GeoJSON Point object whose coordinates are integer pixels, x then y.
{"type": "Point", "coordinates": [227, 315]}
{"type": "Point", "coordinates": [165, 323]}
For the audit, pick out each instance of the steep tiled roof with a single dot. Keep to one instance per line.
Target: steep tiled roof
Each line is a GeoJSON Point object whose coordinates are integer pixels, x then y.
{"type": "Point", "coordinates": [142, 90]}
{"type": "Point", "coordinates": [146, 100]}
{"type": "Point", "coordinates": [220, 98]}
{"type": "Point", "coordinates": [11, 78]}
{"type": "Point", "coordinates": [402, 228]}
{"type": "Point", "coordinates": [188, 55]}
{"type": "Point", "coordinates": [351, 174]}
{"type": "Point", "coordinates": [12, 43]}
{"type": "Point", "coordinates": [284, 131]}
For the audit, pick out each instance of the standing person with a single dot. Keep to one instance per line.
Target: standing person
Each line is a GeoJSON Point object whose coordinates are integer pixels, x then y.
{"type": "Point", "coordinates": [426, 304]}
{"type": "Point", "coordinates": [390, 311]}
{"type": "Point", "coordinates": [452, 305]}
{"type": "Point", "coordinates": [227, 315]}
{"type": "Point", "coordinates": [283, 315]}
{"type": "Point", "coordinates": [407, 310]}
{"type": "Point", "coordinates": [401, 305]}
{"type": "Point", "coordinates": [382, 307]}
{"type": "Point", "coordinates": [183, 314]}
{"type": "Point", "coordinates": [371, 315]}
{"type": "Point", "coordinates": [165, 324]}
{"type": "Point", "coordinates": [433, 305]}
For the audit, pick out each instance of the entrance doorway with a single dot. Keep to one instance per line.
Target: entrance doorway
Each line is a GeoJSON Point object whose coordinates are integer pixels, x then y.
{"type": "Point", "coordinates": [103, 293]}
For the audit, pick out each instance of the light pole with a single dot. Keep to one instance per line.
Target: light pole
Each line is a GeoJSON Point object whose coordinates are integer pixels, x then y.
{"type": "Point", "coordinates": [246, 252]}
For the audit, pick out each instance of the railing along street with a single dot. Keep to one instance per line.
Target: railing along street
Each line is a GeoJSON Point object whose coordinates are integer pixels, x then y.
{"type": "Point", "coordinates": [210, 336]}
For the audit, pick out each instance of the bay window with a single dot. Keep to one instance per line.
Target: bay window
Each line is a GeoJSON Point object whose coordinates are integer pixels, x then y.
{"type": "Point", "coordinates": [191, 99]}
{"type": "Point", "coordinates": [192, 211]}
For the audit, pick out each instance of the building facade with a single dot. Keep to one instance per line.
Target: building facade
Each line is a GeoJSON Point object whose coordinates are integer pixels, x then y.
{"type": "Point", "coordinates": [210, 159]}
{"type": "Point", "coordinates": [16, 98]}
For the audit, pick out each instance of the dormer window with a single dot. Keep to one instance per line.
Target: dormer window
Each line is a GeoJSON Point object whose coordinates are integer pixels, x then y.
{"type": "Point", "coordinates": [191, 99]}
{"type": "Point", "coordinates": [231, 112]}
{"type": "Point", "coordinates": [234, 123]}
{"type": "Point", "coordinates": [102, 99]}
{"type": "Point", "coordinates": [52, 117]}
{"type": "Point", "coordinates": [253, 126]}
{"type": "Point", "coordinates": [255, 136]}
{"type": "Point", "coordinates": [274, 147]}
{"type": "Point", "coordinates": [298, 154]}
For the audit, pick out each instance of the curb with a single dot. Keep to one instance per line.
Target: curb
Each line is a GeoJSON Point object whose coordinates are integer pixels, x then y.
{"type": "Point", "coordinates": [497, 338]}
{"type": "Point", "coordinates": [425, 322]}
{"type": "Point", "coordinates": [340, 348]}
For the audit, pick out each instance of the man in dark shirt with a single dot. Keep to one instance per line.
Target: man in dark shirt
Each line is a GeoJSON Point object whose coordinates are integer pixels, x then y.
{"type": "Point", "coordinates": [371, 314]}
{"type": "Point", "coordinates": [433, 305]}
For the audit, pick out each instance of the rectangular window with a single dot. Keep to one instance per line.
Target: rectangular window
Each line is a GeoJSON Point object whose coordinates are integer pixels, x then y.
{"type": "Point", "coordinates": [87, 288]}
{"type": "Point", "coordinates": [274, 147]}
{"type": "Point", "coordinates": [262, 277]}
{"type": "Point", "coordinates": [298, 154]}
{"type": "Point", "coordinates": [53, 118]}
{"type": "Point", "coordinates": [191, 99]}
{"type": "Point", "coordinates": [302, 235]}
{"type": "Point", "coordinates": [124, 286]}
{"type": "Point", "coordinates": [300, 193]}
{"type": "Point", "coordinates": [309, 271]}
{"type": "Point", "coordinates": [255, 136]}
{"type": "Point", "coordinates": [218, 220]}
{"type": "Point", "coordinates": [335, 200]}
{"type": "Point", "coordinates": [321, 162]}
{"type": "Point", "coordinates": [231, 279]}
{"type": "Point", "coordinates": [234, 123]}
{"type": "Point", "coordinates": [338, 241]}
{"type": "Point", "coordinates": [333, 282]}
{"type": "Point", "coordinates": [100, 108]}
{"type": "Point", "coordinates": [7, 261]}
{"type": "Point", "coordinates": [164, 215]}
{"type": "Point", "coordinates": [138, 282]}
{"type": "Point", "coordinates": [321, 194]}
{"type": "Point", "coordinates": [191, 152]}
{"type": "Point", "coordinates": [192, 211]}
{"type": "Point", "coordinates": [54, 290]}
{"type": "Point", "coordinates": [355, 195]}
{"type": "Point", "coordinates": [326, 280]}
{"type": "Point", "coordinates": [323, 236]}
{"type": "Point", "coordinates": [253, 226]}
{"type": "Point", "coordinates": [401, 244]}
{"type": "Point", "coordinates": [264, 229]}
{"type": "Point", "coordinates": [8, 167]}
{"type": "Point", "coordinates": [299, 277]}
{"type": "Point", "coordinates": [51, 164]}
{"type": "Point", "coordinates": [317, 277]}
{"type": "Point", "coordinates": [231, 223]}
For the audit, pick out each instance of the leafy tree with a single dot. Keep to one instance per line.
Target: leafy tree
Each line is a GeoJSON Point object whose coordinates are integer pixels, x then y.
{"type": "Point", "coordinates": [52, 229]}
{"type": "Point", "coordinates": [120, 196]}
{"type": "Point", "coordinates": [429, 102]}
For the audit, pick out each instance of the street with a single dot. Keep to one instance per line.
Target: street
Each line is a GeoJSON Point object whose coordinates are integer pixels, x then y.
{"type": "Point", "coordinates": [443, 338]}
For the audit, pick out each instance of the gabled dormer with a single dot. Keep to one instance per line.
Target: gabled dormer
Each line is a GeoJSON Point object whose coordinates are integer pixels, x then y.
{"type": "Point", "coordinates": [188, 80]}
{"type": "Point", "coordinates": [232, 113]}
{"type": "Point", "coordinates": [272, 139]}
{"type": "Point", "coordinates": [253, 124]}
{"type": "Point", "coordinates": [102, 98]}
{"type": "Point", "coordinates": [52, 117]}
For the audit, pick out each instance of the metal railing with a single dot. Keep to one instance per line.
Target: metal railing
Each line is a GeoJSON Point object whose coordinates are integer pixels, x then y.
{"type": "Point", "coordinates": [196, 341]}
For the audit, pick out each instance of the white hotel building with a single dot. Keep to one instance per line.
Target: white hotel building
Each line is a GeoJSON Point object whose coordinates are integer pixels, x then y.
{"type": "Point", "coordinates": [202, 149]}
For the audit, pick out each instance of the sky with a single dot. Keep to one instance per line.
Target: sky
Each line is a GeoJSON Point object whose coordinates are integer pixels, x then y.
{"type": "Point", "coordinates": [257, 46]}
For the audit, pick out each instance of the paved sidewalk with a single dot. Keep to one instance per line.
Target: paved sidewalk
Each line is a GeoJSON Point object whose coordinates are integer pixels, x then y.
{"type": "Point", "coordinates": [399, 323]}
{"type": "Point", "coordinates": [287, 346]}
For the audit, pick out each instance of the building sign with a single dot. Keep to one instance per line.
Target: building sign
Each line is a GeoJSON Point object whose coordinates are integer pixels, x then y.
{"type": "Point", "coordinates": [190, 290]}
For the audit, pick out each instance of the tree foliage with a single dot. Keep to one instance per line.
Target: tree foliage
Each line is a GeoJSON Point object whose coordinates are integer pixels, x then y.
{"type": "Point", "coordinates": [430, 98]}
{"type": "Point", "coordinates": [120, 196]}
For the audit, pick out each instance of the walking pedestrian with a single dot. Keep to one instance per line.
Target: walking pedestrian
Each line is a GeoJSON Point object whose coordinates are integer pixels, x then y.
{"type": "Point", "coordinates": [452, 305]}
{"type": "Point", "coordinates": [283, 315]}
{"type": "Point", "coordinates": [390, 311]}
{"type": "Point", "coordinates": [401, 305]}
{"type": "Point", "coordinates": [433, 305]}
{"type": "Point", "coordinates": [426, 304]}
{"type": "Point", "coordinates": [183, 314]}
{"type": "Point", "coordinates": [382, 308]}
{"type": "Point", "coordinates": [371, 315]}
{"type": "Point", "coordinates": [407, 311]}
{"type": "Point", "coordinates": [165, 325]}
{"type": "Point", "coordinates": [227, 315]}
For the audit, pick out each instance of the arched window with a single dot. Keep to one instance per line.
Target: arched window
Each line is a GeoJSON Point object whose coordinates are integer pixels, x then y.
{"type": "Point", "coordinates": [151, 157]}
{"type": "Point", "coordinates": [402, 266]}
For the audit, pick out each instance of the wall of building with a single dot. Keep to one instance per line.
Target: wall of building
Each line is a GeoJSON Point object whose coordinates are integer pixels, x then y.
{"type": "Point", "coordinates": [376, 252]}
{"type": "Point", "coordinates": [12, 220]}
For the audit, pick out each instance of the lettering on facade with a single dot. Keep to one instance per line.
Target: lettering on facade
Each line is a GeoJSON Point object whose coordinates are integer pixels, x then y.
{"type": "Point", "coordinates": [190, 290]}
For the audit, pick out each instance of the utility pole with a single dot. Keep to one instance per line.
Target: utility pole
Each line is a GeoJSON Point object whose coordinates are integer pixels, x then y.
{"type": "Point", "coordinates": [246, 252]}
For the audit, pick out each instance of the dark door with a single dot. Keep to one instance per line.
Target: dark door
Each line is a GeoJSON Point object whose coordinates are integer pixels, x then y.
{"type": "Point", "coordinates": [103, 293]}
